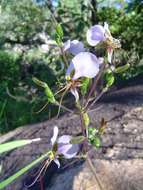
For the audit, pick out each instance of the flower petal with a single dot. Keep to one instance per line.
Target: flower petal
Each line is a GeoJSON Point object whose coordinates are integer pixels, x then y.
{"type": "Point", "coordinates": [65, 148]}
{"type": "Point", "coordinates": [110, 53]}
{"type": "Point", "coordinates": [95, 35]}
{"type": "Point", "coordinates": [107, 31]}
{"type": "Point", "coordinates": [75, 93]}
{"type": "Point", "coordinates": [57, 162]}
{"type": "Point", "coordinates": [86, 65]}
{"type": "Point", "coordinates": [64, 139]}
{"type": "Point", "coordinates": [74, 47]}
{"type": "Point", "coordinates": [55, 135]}
{"type": "Point", "coordinates": [69, 69]}
{"type": "Point", "coordinates": [69, 150]}
{"type": "Point", "coordinates": [66, 45]}
{"type": "Point", "coordinates": [100, 60]}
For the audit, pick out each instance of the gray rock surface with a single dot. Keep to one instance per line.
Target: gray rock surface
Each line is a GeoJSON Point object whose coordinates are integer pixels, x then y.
{"type": "Point", "coordinates": [118, 163]}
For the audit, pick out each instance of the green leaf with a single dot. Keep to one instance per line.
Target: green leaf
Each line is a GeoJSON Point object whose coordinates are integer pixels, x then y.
{"type": "Point", "coordinates": [39, 82]}
{"type": "Point", "coordinates": [97, 142]}
{"type": "Point", "coordinates": [86, 119]}
{"type": "Point", "coordinates": [58, 39]}
{"type": "Point", "coordinates": [50, 95]}
{"type": "Point", "coordinates": [48, 91]}
{"type": "Point", "coordinates": [59, 34]}
{"type": "Point", "coordinates": [92, 132]}
{"type": "Point", "coordinates": [7, 181]}
{"type": "Point", "coordinates": [109, 77]}
{"type": "Point", "coordinates": [122, 69]}
{"type": "Point", "coordinates": [59, 30]}
{"type": "Point", "coordinates": [77, 140]}
{"type": "Point", "coordinates": [85, 85]}
{"type": "Point", "coordinates": [15, 144]}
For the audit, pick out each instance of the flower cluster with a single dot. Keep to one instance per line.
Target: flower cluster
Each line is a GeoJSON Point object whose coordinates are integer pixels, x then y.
{"type": "Point", "coordinates": [84, 63]}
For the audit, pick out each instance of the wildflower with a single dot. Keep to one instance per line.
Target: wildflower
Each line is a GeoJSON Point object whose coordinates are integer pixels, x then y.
{"type": "Point", "coordinates": [62, 146]}
{"type": "Point", "coordinates": [74, 47]}
{"type": "Point", "coordinates": [84, 64]}
{"type": "Point", "coordinates": [98, 33]}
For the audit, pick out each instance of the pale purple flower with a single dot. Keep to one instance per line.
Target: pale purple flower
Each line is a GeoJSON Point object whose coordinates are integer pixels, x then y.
{"type": "Point", "coordinates": [95, 35]}
{"type": "Point", "coordinates": [74, 47]}
{"type": "Point", "coordinates": [98, 33]}
{"type": "Point", "coordinates": [64, 147]}
{"type": "Point", "coordinates": [84, 64]}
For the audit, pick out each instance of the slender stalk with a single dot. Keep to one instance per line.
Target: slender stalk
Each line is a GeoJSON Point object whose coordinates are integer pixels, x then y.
{"type": "Point", "coordinates": [65, 108]}
{"type": "Point", "coordinates": [96, 99]}
{"type": "Point", "coordinates": [94, 172]}
{"type": "Point", "coordinates": [61, 48]}
{"type": "Point", "coordinates": [96, 80]}
{"type": "Point", "coordinates": [64, 57]}
{"type": "Point", "coordinates": [83, 128]}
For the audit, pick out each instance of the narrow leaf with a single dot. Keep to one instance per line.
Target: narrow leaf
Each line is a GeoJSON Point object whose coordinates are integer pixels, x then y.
{"type": "Point", "coordinates": [15, 144]}
{"type": "Point", "coordinates": [39, 82]}
{"type": "Point", "coordinates": [86, 119]}
{"type": "Point", "coordinates": [6, 182]}
{"type": "Point", "coordinates": [50, 95]}
{"type": "Point", "coordinates": [122, 69]}
{"type": "Point", "coordinates": [48, 91]}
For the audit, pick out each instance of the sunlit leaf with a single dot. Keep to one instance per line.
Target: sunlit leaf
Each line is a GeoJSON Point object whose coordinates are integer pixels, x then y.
{"type": "Point", "coordinates": [59, 30]}
{"type": "Point", "coordinates": [96, 142]}
{"type": "Point", "coordinates": [50, 95]}
{"type": "Point", "coordinates": [109, 77]}
{"type": "Point", "coordinates": [48, 91]}
{"type": "Point", "coordinates": [85, 85]}
{"type": "Point", "coordinates": [15, 144]}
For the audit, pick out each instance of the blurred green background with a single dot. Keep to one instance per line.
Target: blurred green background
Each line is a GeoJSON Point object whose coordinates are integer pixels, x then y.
{"type": "Point", "coordinates": [27, 48]}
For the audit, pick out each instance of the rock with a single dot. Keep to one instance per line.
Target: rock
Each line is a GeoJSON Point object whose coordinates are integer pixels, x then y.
{"type": "Point", "coordinates": [118, 163]}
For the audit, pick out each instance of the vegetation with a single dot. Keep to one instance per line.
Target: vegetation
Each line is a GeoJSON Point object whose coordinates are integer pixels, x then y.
{"type": "Point", "coordinates": [36, 50]}
{"type": "Point", "coordinates": [27, 48]}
